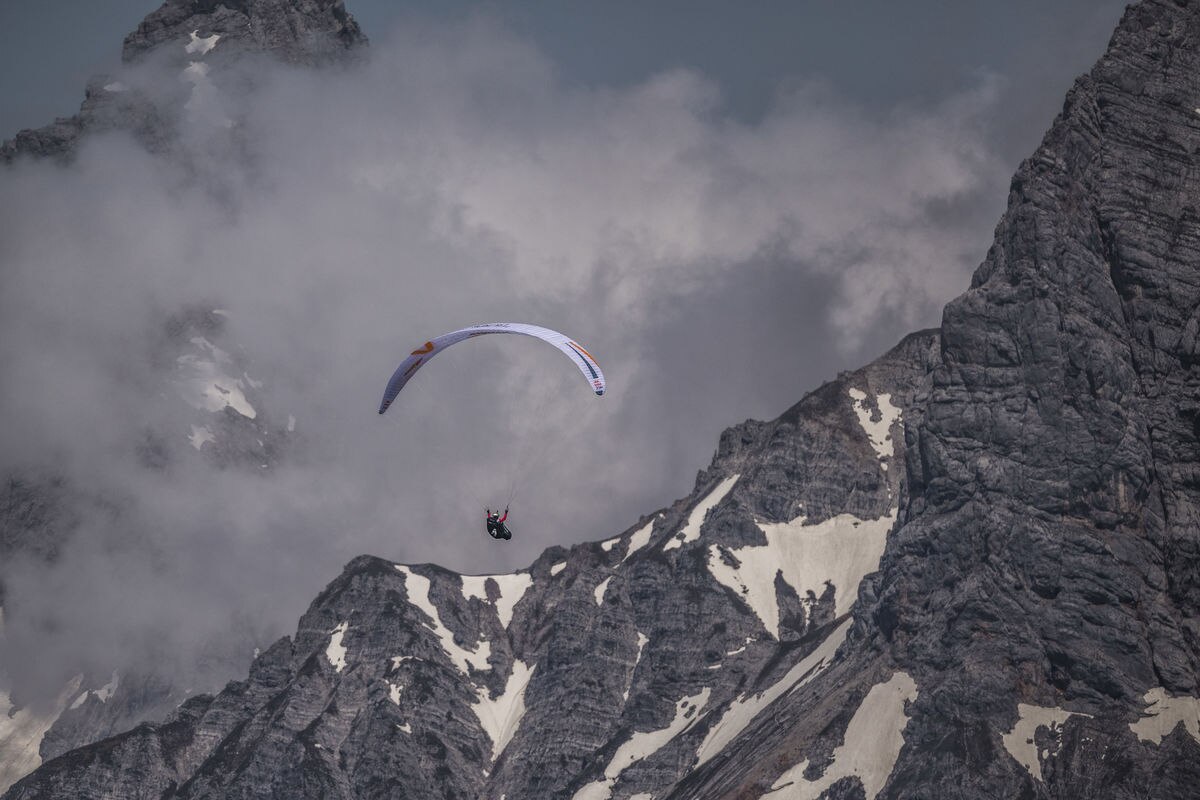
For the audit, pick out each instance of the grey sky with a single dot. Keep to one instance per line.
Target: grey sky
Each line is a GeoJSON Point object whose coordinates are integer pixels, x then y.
{"type": "Point", "coordinates": [874, 51]}
{"type": "Point", "coordinates": [727, 203]}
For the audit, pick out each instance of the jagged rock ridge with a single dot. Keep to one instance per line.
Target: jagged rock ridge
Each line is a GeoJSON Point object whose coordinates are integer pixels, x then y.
{"type": "Point", "coordinates": [202, 41]}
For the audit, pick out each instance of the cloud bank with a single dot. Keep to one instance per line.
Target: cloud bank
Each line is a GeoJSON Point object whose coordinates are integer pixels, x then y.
{"type": "Point", "coordinates": [716, 269]}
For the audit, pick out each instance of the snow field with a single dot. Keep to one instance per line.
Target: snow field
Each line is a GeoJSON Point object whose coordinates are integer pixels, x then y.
{"type": "Point", "coordinates": [418, 587]}
{"type": "Point", "coordinates": [500, 717]}
{"type": "Point", "coordinates": [741, 712]}
{"type": "Point", "coordinates": [102, 694]}
{"type": "Point", "coordinates": [1019, 741]}
{"type": "Point", "coordinates": [872, 743]}
{"type": "Point", "coordinates": [639, 539]}
{"type": "Point", "coordinates": [200, 436]}
{"type": "Point", "coordinates": [691, 531]}
{"type": "Point", "coordinates": [335, 652]}
{"type": "Point", "coordinates": [200, 46]}
{"type": "Point", "coordinates": [1164, 713]}
{"type": "Point", "coordinates": [644, 744]}
{"type": "Point", "coordinates": [512, 589]}
{"type": "Point", "coordinates": [204, 385]}
{"type": "Point", "coordinates": [642, 640]}
{"type": "Point", "coordinates": [600, 589]}
{"type": "Point", "coordinates": [878, 433]}
{"type": "Point", "coordinates": [841, 550]}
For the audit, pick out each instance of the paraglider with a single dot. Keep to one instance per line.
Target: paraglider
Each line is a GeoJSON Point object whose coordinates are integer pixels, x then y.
{"type": "Point", "coordinates": [495, 525]}
{"type": "Point", "coordinates": [583, 360]}
{"type": "Point", "coordinates": [572, 349]}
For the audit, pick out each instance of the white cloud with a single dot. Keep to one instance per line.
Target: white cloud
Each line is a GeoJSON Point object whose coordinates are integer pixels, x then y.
{"type": "Point", "coordinates": [452, 179]}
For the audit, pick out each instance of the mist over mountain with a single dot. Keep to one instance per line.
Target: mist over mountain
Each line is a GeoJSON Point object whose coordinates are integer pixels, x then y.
{"type": "Point", "coordinates": [966, 569]}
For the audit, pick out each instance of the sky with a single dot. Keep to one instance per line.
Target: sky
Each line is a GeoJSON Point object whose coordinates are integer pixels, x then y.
{"type": "Point", "coordinates": [727, 204]}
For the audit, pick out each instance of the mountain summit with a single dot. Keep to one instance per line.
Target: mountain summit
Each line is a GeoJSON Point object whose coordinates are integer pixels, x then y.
{"type": "Point", "coordinates": [187, 39]}
{"type": "Point", "coordinates": [969, 569]}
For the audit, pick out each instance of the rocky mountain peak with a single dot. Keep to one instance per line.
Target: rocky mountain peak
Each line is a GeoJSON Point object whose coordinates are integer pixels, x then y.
{"type": "Point", "coordinates": [205, 44]}
{"type": "Point", "coordinates": [309, 31]}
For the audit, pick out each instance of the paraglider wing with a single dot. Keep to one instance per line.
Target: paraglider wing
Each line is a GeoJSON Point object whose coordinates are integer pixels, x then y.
{"type": "Point", "coordinates": [418, 357]}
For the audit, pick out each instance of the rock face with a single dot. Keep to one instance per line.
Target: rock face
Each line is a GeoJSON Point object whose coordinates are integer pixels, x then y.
{"type": "Point", "coordinates": [297, 31]}
{"type": "Point", "coordinates": [202, 42]}
{"type": "Point", "coordinates": [970, 569]}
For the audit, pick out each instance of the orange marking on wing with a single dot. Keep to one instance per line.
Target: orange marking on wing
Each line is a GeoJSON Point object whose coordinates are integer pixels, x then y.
{"type": "Point", "coordinates": [585, 352]}
{"type": "Point", "coordinates": [413, 368]}
{"type": "Point", "coordinates": [428, 348]}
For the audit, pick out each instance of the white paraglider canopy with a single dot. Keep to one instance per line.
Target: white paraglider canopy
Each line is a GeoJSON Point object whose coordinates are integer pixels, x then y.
{"type": "Point", "coordinates": [573, 350]}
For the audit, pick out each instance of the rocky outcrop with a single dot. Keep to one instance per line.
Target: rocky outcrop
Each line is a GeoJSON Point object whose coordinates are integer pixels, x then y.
{"type": "Point", "coordinates": [204, 43]}
{"type": "Point", "coordinates": [309, 32]}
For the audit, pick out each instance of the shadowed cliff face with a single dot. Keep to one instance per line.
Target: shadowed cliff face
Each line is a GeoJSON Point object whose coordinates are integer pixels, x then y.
{"type": "Point", "coordinates": [969, 569]}
{"type": "Point", "coordinates": [1050, 549]}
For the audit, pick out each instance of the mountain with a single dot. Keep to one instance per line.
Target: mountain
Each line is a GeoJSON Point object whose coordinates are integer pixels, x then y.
{"type": "Point", "coordinates": [198, 45]}
{"type": "Point", "coordinates": [969, 569]}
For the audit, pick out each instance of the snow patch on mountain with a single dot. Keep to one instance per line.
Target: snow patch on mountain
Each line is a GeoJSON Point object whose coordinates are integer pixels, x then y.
{"type": "Point", "coordinates": [511, 587]}
{"type": "Point", "coordinates": [600, 589]}
{"type": "Point", "coordinates": [394, 690]}
{"type": "Point", "coordinates": [869, 750]}
{"type": "Point", "coordinates": [1019, 742]}
{"type": "Point", "coordinates": [879, 433]}
{"type": "Point", "coordinates": [102, 694]}
{"type": "Point", "coordinates": [335, 652]}
{"type": "Point", "coordinates": [200, 436]}
{"type": "Point", "coordinates": [639, 539]}
{"type": "Point", "coordinates": [21, 733]}
{"type": "Point", "coordinates": [204, 384]}
{"type": "Point", "coordinates": [1164, 713]}
{"type": "Point", "coordinates": [741, 649]}
{"type": "Point", "coordinates": [199, 45]}
{"type": "Point", "coordinates": [500, 716]}
{"type": "Point", "coordinates": [418, 595]}
{"type": "Point", "coordinates": [557, 568]}
{"type": "Point", "coordinates": [642, 640]}
{"type": "Point", "coordinates": [691, 531]}
{"type": "Point", "coordinates": [644, 744]}
{"type": "Point", "coordinates": [840, 551]}
{"type": "Point", "coordinates": [742, 711]}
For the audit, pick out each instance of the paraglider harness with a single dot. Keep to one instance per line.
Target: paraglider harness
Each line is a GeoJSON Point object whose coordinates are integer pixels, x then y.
{"type": "Point", "coordinates": [496, 527]}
